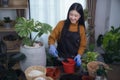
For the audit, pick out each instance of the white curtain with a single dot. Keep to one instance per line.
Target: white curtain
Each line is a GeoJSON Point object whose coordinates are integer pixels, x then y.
{"type": "Point", "coordinates": [51, 11]}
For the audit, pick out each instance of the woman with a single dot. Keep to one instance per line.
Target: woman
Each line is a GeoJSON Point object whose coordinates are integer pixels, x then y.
{"type": "Point", "coordinates": [69, 35]}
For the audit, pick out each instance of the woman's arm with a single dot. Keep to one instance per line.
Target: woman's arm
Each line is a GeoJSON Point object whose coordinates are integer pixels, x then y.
{"type": "Point", "coordinates": [55, 34]}
{"type": "Point", "coordinates": [83, 42]}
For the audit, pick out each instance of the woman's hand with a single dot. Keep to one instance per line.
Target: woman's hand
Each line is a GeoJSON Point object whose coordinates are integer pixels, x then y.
{"type": "Point", "coordinates": [53, 51]}
{"type": "Point", "coordinates": [77, 59]}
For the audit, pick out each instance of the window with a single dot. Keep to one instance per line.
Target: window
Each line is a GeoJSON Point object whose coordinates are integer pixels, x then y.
{"type": "Point", "coordinates": [51, 11]}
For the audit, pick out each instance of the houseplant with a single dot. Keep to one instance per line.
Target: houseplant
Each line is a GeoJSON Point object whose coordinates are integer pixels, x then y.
{"type": "Point", "coordinates": [34, 51]}
{"type": "Point", "coordinates": [88, 57]}
{"type": "Point", "coordinates": [25, 27]}
{"type": "Point", "coordinates": [7, 63]}
{"type": "Point", "coordinates": [7, 22]}
{"type": "Point", "coordinates": [111, 43]}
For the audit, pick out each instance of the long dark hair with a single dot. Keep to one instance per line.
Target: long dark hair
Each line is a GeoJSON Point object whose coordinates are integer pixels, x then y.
{"type": "Point", "coordinates": [78, 7]}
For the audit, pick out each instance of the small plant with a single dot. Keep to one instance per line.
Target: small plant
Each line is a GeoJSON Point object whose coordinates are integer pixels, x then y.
{"type": "Point", "coordinates": [7, 19]}
{"type": "Point", "coordinates": [89, 57]}
{"type": "Point", "coordinates": [101, 71]}
{"type": "Point", "coordinates": [25, 27]}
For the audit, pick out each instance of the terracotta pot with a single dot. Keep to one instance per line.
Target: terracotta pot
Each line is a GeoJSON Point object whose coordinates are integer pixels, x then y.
{"type": "Point", "coordinates": [69, 66]}
{"type": "Point", "coordinates": [53, 72]}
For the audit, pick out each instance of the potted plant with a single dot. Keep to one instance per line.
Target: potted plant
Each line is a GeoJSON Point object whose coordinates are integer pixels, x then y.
{"type": "Point", "coordinates": [111, 43]}
{"type": "Point", "coordinates": [34, 51]}
{"type": "Point", "coordinates": [101, 72]}
{"type": "Point", "coordinates": [7, 22]}
{"type": "Point", "coordinates": [7, 63]}
{"type": "Point", "coordinates": [25, 27]}
{"type": "Point", "coordinates": [88, 57]}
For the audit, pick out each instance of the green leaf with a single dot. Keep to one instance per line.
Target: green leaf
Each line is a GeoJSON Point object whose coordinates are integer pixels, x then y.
{"type": "Point", "coordinates": [25, 27]}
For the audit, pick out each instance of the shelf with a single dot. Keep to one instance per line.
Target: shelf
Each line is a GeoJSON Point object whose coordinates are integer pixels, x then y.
{"type": "Point", "coordinates": [16, 4]}
{"type": "Point", "coordinates": [14, 7]}
{"type": "Point", "coordinates": [3, 29]}
{"type": "Point", "coordinates": [13, 50]}
{"type": "Point", "coordinates": [20, 6]}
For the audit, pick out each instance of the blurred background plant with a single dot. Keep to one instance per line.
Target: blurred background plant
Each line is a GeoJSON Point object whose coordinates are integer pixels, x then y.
{"type": "Point", "coordinates": [111, 45]}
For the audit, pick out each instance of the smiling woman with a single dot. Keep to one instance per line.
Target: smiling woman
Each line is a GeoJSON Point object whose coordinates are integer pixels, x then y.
{"type": "Point", "coordinates": [51, 11]}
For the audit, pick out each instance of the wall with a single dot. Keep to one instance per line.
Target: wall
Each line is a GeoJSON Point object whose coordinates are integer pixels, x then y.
{"type": "Point", "coordinates": [115, 13]}
{"type": "Point", "coordinates": [102, 17]}
{"type": "Point", "coordinates": [10, 13]}
{"type": "Point", "coordinates": [51, 13]}
{"type": "Point", "coordinates": [7, 13]}
{"type": "Point", "coordinates": [107, 14]}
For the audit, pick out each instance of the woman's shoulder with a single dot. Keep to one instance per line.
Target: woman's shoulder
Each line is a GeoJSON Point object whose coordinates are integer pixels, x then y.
{"type": "Point", "coordinates": [82, 27]}
{"type": "Point", "coordinates": [61, 22]}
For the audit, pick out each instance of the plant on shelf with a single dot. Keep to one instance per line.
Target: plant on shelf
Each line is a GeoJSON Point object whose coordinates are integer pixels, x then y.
{"type": "Point", "coordinates": [7, 19]}
{"type": "Point", "coordinates": [7, 22]}
{"type": "Point", "coordinates": [25, 27]}
{"type": "Point", "coordinates": [111, 45]}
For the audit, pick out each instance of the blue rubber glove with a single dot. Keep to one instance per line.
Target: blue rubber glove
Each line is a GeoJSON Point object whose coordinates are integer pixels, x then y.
{"type": "Point", "coordinates": [53, 51]}
{"type": "Point", "coordinates": [77, 59]}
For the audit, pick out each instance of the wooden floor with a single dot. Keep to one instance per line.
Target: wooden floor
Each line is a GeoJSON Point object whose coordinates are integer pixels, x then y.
{"type": "Point", "coordinates": [114, 74]}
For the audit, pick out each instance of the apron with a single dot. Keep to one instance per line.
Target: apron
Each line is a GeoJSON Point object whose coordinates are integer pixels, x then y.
{"type": "Point", "coordinates": [68, 44]}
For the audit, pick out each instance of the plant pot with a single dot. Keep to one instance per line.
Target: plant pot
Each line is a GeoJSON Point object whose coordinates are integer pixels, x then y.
{"type": "Point", "coordinates": [31, 74]}
{"type": "Point", "coordinates": [53, 72]}
{"type": "Point", "coordinates": [11, 44]}
{"type": "Point", "coordinates": [7, 25]}
{"type": "Point", "coordinates": [5, 3]}
{"type": "Point", "coordinates": [69, 66]}
{"type": "Point", "coordinates": [11, 41]}
{"type": "Point", "coordinates": [93, 66]}
{"type": "Point", "coordinates": [43, 78]}
{"type": "Point", "coordinates": [34, 56]}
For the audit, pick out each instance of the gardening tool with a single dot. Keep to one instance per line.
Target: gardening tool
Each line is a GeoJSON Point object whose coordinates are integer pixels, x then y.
{"type": "Point", "coordinates": [60, 58]}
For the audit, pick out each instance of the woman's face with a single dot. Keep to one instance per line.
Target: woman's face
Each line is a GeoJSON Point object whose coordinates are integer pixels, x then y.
{"type": "Point", "coordinates": [74, 16]}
